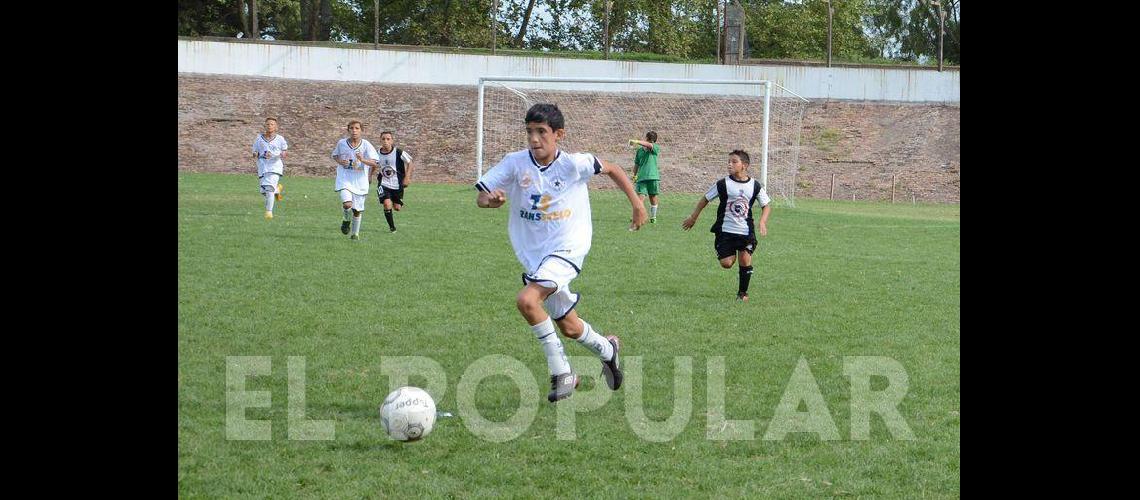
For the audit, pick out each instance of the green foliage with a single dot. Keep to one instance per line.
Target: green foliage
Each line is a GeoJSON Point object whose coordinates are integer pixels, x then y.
{"type": "Point", "coordinates": [684, 30]}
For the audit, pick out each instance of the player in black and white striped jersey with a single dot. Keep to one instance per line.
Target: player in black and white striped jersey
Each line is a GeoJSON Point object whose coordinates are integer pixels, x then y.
{"type": "Point", "coordinates": [393, 175]}
{"type": "Point", "coordinates": [735, 234]}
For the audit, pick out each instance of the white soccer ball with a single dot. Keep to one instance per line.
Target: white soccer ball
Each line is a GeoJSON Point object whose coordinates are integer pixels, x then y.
{"type": "Point", "coordinates": [408, 414]}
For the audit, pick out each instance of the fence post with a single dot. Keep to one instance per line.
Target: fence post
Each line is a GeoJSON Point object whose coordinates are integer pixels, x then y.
{"type": "Point", "coordinates": [894, 180]}
{"type": "Point", "coordinates": [832, 186]}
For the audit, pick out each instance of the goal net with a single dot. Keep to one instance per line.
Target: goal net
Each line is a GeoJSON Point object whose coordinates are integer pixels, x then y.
{"type": "Point", "coordinates": [698, 122]}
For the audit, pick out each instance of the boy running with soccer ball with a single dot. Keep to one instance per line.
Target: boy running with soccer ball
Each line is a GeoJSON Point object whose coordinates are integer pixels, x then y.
{"type": "Point", "coordinates": [551, 232]}
{"type": "Point", "coordinates": [735, 235]}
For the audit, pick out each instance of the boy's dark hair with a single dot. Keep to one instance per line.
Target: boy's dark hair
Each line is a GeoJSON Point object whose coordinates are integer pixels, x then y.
{"type": "Point", "coordinates": [546, 113]}
{"type": "Point", "coordinates": [743, 155]}
{"type": "Point", "coordinates": [651, 136]}
{"type": "Point", "coordinates": [389, 132]}
{"type": "Point", "coordinates": [271, 118]}
{"type": "Point", "coordinates": [355, 122]}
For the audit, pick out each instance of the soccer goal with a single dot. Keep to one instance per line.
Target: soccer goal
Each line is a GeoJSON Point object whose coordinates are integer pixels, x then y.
{"type": "Point", "coordinates": [698, 122]}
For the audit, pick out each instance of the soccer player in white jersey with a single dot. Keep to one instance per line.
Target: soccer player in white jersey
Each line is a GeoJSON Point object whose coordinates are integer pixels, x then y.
{"type": "Point", "coordinates": [550, 230]}
{"type": "Point", "coordinates": [355, 155]}
{"type": "Point", "coordinates": [735, 235]}
{"type": "Point", "coordinates": [393, 176]}
{"type": "Point", "coordinates": [269, 149]}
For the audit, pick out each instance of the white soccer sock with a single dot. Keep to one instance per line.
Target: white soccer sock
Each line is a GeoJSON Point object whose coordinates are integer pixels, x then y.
{"type": "Point", "coordinates": [552, 346]}
{"type": "Point", "coordinates": [347, 214]}
{"type": "Point", "coordinates": [596, 343]}
{"type": "Point", "coordinates": [268, 202]}
{"type": "Point", "coordinates": [653, 211]}
{"type": "Point", "coordinates": [356, 225]}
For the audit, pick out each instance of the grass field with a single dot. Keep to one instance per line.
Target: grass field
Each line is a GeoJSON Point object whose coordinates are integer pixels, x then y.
{"type": "Point", "coordinates": [833, 280]}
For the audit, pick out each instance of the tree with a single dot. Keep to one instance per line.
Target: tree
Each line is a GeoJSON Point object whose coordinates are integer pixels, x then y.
{"type": "Point", "coordinates": [799, 30]}
{"type": "Point", "coordinates": [525, 21]}
{"type": "Point", "coordinates": [908, 29]}
{"type": "Point", "coordinates": [208, 18]}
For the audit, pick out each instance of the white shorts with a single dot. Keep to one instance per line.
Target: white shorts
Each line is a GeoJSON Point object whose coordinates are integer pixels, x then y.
{"type": "Point", "coordinates": [356, 199]}
{"type": "Point", "coordinates": [556, 272]}
{"type": "Point", "coordinates": [269, 182]}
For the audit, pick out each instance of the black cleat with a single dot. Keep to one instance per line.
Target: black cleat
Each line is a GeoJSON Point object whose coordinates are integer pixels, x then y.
{"type": "Point", "coordinates": [611, 369]}
{"type": "Point", "coordinates": [344, 227]}
{"type": "Point", "coordinates": [562, 386]}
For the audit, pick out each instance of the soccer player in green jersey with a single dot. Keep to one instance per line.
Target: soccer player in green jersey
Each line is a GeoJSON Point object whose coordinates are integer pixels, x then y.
{"type": "Point", "coordinates": [645, 172]}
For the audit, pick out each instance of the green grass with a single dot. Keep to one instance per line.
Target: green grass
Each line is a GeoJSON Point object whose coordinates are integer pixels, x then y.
{"type": "Point", "coordinates": [833, 279]}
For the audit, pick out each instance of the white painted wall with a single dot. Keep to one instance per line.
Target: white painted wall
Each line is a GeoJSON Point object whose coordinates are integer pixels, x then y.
{"type": "Point", "coordinates": [393, 66]}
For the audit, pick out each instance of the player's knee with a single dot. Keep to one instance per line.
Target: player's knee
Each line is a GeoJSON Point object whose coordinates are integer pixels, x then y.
{"type": "Point", "coordinates": [527, 301]}
{"type": "Point", "coordinates": [347, 205]}
{"type": "Point", "coordinates": [727, 263]}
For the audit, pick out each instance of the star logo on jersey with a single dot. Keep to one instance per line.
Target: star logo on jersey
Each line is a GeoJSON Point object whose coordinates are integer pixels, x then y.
{"type": "Point", "coordinates": [558, 184]}
{"type": "Point", "coordinates": [526, 181]}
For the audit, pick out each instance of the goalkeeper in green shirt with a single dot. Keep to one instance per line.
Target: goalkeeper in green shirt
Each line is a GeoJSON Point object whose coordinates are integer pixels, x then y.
{"type": "Point", "coordinates": [645, 175]}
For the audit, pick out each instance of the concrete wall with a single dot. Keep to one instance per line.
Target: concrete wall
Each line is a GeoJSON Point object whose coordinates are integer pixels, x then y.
{"type": "Point", "coordinates": [298, 61]}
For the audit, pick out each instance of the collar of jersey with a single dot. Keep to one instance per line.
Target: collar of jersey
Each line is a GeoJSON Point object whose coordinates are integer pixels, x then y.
{"type": "Point", "coordinates": [541, 168]}
{"type": "Point", "coordinates": [745, 181]}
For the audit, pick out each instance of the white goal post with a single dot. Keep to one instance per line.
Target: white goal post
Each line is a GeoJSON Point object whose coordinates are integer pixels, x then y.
{"type": "Point", "coordinates": [697, 121]}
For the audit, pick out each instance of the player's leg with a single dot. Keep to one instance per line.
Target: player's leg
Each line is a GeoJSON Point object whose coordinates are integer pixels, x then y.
{"type": "Point", "coordinates": [529, 302]}
{"type": "Point", "coordinates": [605, 347]}
{"type": "Point", "coordinates": [745, 256]}
{"type": "Point", "coordinates": [385, 196]}
{"type": "Point", "coordinates": [357, 214]}
{"type": "Point", "coordinates": [725, 252]}
{"type": "Point", "coordinates": [346, 204]}
{"type": "Point", "coordinates": [653, 190]}
{"type": "Point", "coordinates": [267, 193]}
{"type": "Point", "coordinates": [398, 199]}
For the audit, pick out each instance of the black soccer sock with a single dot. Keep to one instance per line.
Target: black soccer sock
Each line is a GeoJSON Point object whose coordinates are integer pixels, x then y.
{"type": "Point", "coordinates": [388, 215]}
{"type": "Point", "coordinates": [745, 276]}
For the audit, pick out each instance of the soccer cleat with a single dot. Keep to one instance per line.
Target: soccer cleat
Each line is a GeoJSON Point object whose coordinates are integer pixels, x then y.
{"type": "Point", "coordinates": [611, 369]}
{"type": "Point", "coordinates": [392, 230]}
{"type": "Point", "coordinates": [354, 236]}
{"type": "Point", "coordinates": [268, 215]}
{"type": "Point", "coordinates": [280, 192]}
{"type": "Point", "coordinates": [344, 227]}
{"type": "Point", "coordinates": [743, 297]}
{"type": "Point", "coordinates": [562, 386]}
{"type": "Point", "coordinates": [653, 220]}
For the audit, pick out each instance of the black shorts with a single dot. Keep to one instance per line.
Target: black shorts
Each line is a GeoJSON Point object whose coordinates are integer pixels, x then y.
{"type": "Point", "coordinates": [727, 244]}
{"type": "Point", "coordinates": [396, 195]}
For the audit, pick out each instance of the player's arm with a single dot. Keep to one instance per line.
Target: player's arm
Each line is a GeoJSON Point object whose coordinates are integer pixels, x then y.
{"type": "Point", "coordinates": [407, 173]}
{"type": "Point", "coordinates": [367, 161]}
{"type": "Point", "coordinates": [764, 219]}
{"type": "Point", "coordinates": [337, 158]}
{"type": "Point", "coordinates": [687, 224]}
{"type": "Point", "coordinates": [617, 175]}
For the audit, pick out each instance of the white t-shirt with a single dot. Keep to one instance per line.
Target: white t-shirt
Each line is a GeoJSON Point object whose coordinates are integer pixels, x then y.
{"type": "Point", "coordinates": [354, 178]}
{"type": "Point", "coordinates": [269, 154]}
{"type": "Point", "coordinates": [388, 177]}
{"type": "Point", "coordinates": [549, 206]}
